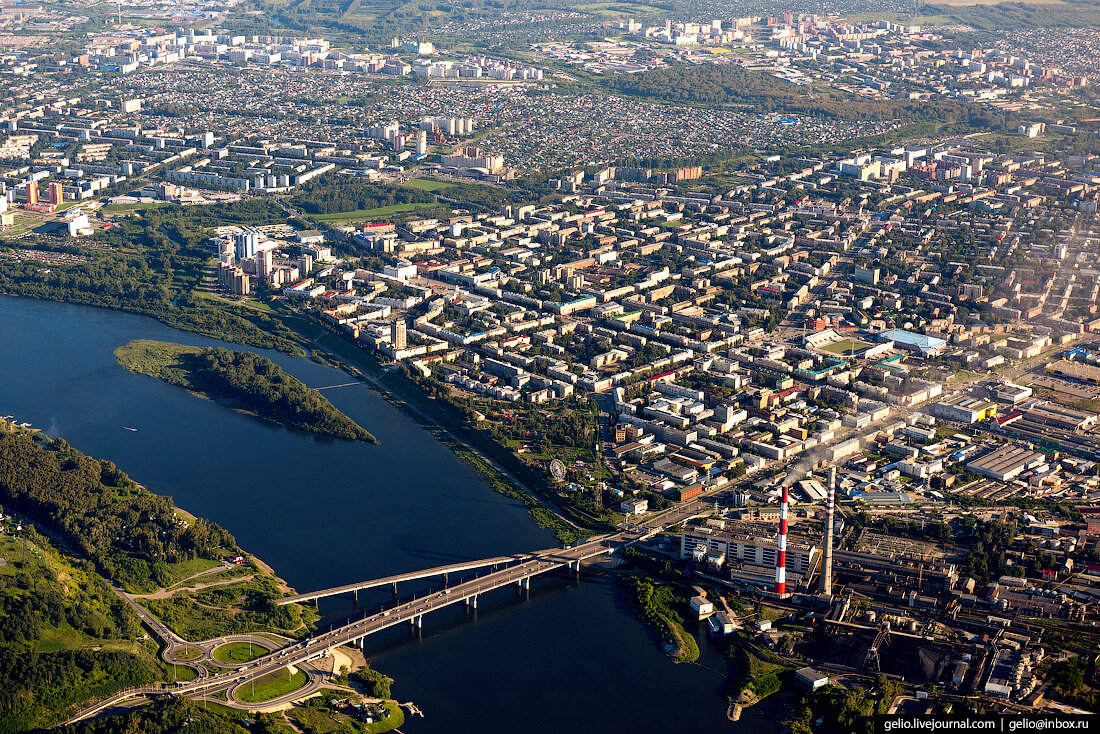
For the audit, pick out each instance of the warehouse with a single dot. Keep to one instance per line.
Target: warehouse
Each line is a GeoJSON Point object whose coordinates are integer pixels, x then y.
{"type": "Point", "coordinates": [1074, 371]}
{"type": "Point", "coordinates": [1006, 463]}
{"type": "Point", "coordinates": [1059, 416]}
{"type": "Point", "coordinates": [965, 409]}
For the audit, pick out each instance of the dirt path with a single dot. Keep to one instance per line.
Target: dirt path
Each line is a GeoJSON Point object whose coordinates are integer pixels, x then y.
{"type": "Point", "coordinates": [165, 593]}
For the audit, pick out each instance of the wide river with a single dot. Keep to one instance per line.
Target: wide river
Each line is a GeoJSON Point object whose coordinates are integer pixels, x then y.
{"type": "Point", "coordinates": [566, 657]}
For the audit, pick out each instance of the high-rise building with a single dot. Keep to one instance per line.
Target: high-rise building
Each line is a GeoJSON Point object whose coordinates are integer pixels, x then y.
{"type": "Point", "coordinates": [32, 193]}
{"type": "Point", "coordinates": [400, 334]}
{"type": "Point", "coordinates": [239, 283]}
{"type": "Point", "coordinates": [305, 265]}
{"type": "Point", "coordinates": [56, 195]}
{"type": "Point", "coordinates": [247, 245]}
{"type": "Point", "coordinates": [263, 263]}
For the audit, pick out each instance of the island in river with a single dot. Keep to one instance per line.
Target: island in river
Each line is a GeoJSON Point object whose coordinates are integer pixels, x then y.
{"type": "Point", "coordinates": [249, 382]}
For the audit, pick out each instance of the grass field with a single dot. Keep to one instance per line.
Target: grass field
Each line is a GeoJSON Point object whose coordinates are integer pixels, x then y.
{"type": "Point", "coordinates": [618, 10]}
{"type": "Point", "coordinates": [427, 184]}
{"type": "Point", "coordinates": [846, 347]}
{"type": "Point", "coordinates": [361, 214]}
{"type": "Point", "coordinates": [236, 653]}
{"type": "Point", "coordinates": [273, 685]}
{"type": "Point", "coordinates": [186, 653]}
{"type": "Point", "coordinates": [185, 569]}
{"type": "Point", "coordinates": [136, 206]}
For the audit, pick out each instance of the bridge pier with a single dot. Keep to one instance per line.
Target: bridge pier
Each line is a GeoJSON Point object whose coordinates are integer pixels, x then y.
{"type": "Point", "coordinates": [417, 621]}
{"type": "Point", "coordinates": [471, 601]}
{"type": "Point", "coordinates": [355, 599]}
{"type": "Point", "coordinates": [395, 591]}
{"type": "Point", "coordinates": [445, 581]}
{"type": "Point", "coordinates": [524, 583]}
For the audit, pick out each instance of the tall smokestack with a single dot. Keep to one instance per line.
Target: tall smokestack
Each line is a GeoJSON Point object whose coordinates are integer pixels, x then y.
{"type": "Point", "coordinates": [827, 569]}
{"type": "Point", "coordinates": [781, 556]}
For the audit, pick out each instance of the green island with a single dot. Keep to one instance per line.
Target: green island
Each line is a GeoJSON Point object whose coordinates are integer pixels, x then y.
{"type": "Point", "coordinates": [236, 653]}
{"type": "Point", "coordinates": [251, 383]}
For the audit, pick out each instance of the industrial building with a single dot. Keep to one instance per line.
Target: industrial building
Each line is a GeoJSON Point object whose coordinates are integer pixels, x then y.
{"type": "Point", "coordinates": [1079, 371]}
{"type": "Point", "coordinates": [1006, 463]}
{"type": "Point", "coordinates": [1059, 416]}
{"type": "Point", "coordinates": [811, 679]}
{"type": "Point", "coordinates": [965, 409]}
{"type": "Point", "coordinates": [746, 548]}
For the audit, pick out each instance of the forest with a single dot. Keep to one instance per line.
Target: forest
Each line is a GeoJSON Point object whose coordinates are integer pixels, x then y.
{"type": "Point", "coordinates": [334, 193]}
{"type": "Point", "coordinates": [251, 382]}
{"type": "Point", "coordinates": [51, 607]}
{"type": "Point", "coordinates": [171, 715]}
{"type": "Point", "coordinates": [129, 533]}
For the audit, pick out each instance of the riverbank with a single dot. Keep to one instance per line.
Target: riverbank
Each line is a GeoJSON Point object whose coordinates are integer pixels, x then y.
{"type": "Point", "coordinates": [246, 382]}
{"type": "Point", "coordinates": [496, 466]}
{"type": "Point", "coordinates": [326, 513]}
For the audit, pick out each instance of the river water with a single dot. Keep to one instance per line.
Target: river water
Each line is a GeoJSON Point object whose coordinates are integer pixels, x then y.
{"type": "Point", "coordinates": [567, 656]}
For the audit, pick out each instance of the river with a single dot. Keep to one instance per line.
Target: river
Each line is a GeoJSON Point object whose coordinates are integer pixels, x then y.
{"type": "Point", "coordinates": [566, 656]}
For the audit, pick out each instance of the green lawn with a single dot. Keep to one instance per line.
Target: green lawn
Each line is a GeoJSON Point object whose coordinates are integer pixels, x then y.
{"type": "Point", "coordinates": [360, 214]}
{"type": "Point", "coordinates": [183, 673]}
{"type": "Point", "coordinates": [186, 653]}
{"type": "Point", "coordinates": [272, 685]}
{"type": "Point", "coordinates": [236, 653]}
{"type": "Point", "coordinates": [185, 569]}
{"type": "Point", "coordinates": [846, 347]}
{"type": "Point", "coordinates": [395, 717]}
{"type": "Point", "coordinates": [115, 208]}
{"type": "Point", "coordinates": [428, 185]}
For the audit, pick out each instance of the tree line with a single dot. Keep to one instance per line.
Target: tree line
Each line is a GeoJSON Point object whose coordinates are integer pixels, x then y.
{"type": "Point", "coordinates": [143, 270]}
{"type": "Point", "coordinates": [260, 385]}
{"type": "Point", "coordinates": [129, 533]}
{"type": "Point", "coordinates": [38, 687]}
{"type": "Point", "coordinates": [724, 84]}
{"type": "Point", "coordinates": [336, 193]}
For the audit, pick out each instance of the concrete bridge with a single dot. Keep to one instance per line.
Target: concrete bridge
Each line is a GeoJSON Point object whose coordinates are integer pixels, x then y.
{"type": "Point", "coordinates": [394, 580]}
{"type": "Point", "coordinates": [410, 612]}
{"type": "Point", "coordinates": [518, 570]}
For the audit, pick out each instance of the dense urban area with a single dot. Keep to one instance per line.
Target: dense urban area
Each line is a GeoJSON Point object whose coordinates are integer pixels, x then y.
{"type": "Point", "coordinates": [785, 317]}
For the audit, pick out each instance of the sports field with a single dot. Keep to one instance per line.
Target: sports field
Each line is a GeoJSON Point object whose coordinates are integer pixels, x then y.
{"type": "Point", "coordinates": [846, 347]}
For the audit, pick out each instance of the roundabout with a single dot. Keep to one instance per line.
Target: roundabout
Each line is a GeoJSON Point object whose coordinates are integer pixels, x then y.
{"type": "Point", "coordinates": [233, 654]}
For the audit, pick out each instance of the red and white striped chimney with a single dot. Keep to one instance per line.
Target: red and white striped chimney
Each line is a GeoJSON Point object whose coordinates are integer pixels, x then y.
{"type": "Point", "coordinates": [827, 562]}
{"type": "Point", "coordinates": [781, 556]}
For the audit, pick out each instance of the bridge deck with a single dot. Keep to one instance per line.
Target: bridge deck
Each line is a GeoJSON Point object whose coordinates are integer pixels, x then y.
{"type": "Point", "coordinates": [402, 613]}
{"type": "Point", "coordinates": [398, 578]}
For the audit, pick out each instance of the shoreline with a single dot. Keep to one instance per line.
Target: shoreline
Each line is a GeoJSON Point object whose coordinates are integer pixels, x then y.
{"type": "Point", "coordinates": [337, 361]}
{"type": "Point", "coordinates": [442, 432]}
